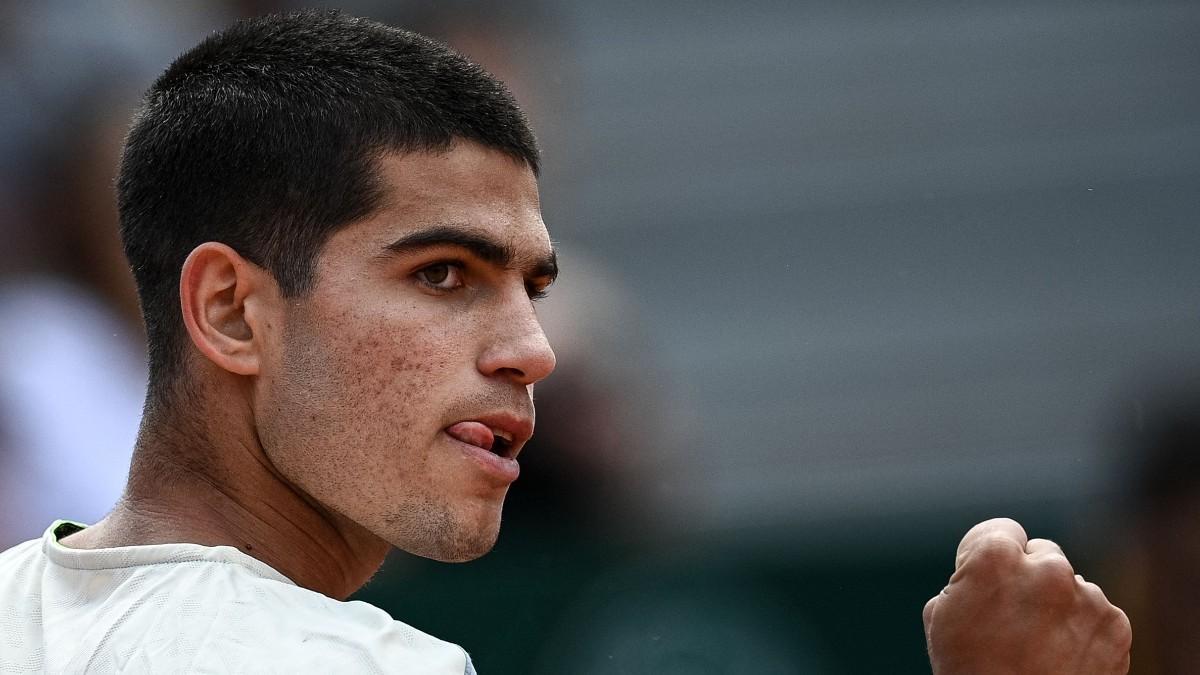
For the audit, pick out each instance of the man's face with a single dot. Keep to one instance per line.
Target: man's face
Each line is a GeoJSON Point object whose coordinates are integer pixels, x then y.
{"type": "Point", "coordinates": [400, 387]}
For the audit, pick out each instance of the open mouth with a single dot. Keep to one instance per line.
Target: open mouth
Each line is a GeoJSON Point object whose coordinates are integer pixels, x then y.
{"type": "Point", "coordinates": [480, 435]}
{"type": "Point", "coordinates": [501, 446]}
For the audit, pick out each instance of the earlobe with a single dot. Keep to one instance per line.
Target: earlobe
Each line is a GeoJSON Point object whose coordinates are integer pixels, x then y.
{"type": "Point", "coordinates": [219, 293]}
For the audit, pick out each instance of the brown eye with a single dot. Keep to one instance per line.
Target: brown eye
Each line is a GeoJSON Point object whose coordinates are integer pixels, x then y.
{"type": "Point", "coordinates": [441, 276]}
{"type": "Point", "coordinates": [436, 274]}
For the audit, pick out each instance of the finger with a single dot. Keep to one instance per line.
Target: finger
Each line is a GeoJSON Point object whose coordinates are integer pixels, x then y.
{"type": "Point", "coordinates": [1035, 547]}
{"type": "Point", "coordinates": [989, 531]}
{"type": "Point", "coordinates": [927, 615]}
{"type": "Point", "coordinates": [1123, 631]}
{"type": "Point", "coordinates": [1091, 591]}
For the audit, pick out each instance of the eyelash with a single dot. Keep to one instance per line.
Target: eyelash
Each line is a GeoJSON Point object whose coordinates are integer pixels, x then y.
{"type": "Point", "coordinates": [459, 268]}
{"type": "Point", "coordinates": [535, 293]}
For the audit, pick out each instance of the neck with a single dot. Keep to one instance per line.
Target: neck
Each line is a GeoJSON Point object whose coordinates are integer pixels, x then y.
{"type": "Point", "coordinates": [212, 484]}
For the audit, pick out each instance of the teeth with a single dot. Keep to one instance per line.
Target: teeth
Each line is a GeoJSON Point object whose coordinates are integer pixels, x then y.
{"type": "Point", "coordinates": [502, 434]}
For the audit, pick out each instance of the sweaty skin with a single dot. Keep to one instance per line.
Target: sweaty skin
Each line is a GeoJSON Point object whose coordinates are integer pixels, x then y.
{"type": "Point", "coordinates": [322, 428]}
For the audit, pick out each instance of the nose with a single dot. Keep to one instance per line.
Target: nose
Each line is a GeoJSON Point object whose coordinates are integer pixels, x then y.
{"type": "Point", "coordinates": [518, 349]}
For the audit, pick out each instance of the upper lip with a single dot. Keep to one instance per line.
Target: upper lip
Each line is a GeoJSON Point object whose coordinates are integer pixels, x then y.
{"type": "Point", "coordinates": [514, 429]}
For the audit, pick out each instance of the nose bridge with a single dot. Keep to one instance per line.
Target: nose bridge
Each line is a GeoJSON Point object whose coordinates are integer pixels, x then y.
{"type": "Point", "coordinates": [518, 346]}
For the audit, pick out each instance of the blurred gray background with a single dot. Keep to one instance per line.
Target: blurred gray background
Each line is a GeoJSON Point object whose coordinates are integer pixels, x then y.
{"type": "Point", "coordinates": [895, 256]}
{"type": "Point", "coordinates": [839, 279]}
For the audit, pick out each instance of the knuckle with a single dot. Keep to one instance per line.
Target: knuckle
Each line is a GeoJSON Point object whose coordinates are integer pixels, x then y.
{"type": "Point", "coordinates": [1039, 548]}
{"type": "Point", "coordinates": [1055, 569]}
{"type": "Point", "coordinates": [1054, 579]}
{"type": "Point", "coordinates": [927, 611]}
{"type": "Point", "coordinates": [1002, 522]}
{"type": "Point", "coordinates": [1039, 542]}
{"type": "Point", "coordinates": [1094, 593]}
{"type": "Point", "coordinates": [1119, 629]}
{"type": "Point", "coordinates": [993, 554]}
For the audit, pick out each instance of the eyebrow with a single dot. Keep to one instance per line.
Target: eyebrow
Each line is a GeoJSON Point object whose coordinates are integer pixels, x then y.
{"type": "Point", "coordinates": [480, 245]}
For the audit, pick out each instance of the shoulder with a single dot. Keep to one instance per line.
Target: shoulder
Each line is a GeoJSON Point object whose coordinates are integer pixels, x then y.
{"type": "Point", "coordinates": [19, 565]}
{"type": "Point", "coordinates": [184, 608]}
{"type": "Point", "coordinates": [21, 554]}
{"type": "Point", "coordinates": [296, 629]}
{"type": "Point", "coordinates": [252, 624]}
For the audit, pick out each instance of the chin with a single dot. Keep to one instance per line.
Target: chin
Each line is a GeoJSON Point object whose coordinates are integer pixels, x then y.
{"type": "Point", "coordinates": [463, 548]}
{"type": "Point", "coordinates": [467, 554]}
{"type": "Point", "coordinates": [449, 539]}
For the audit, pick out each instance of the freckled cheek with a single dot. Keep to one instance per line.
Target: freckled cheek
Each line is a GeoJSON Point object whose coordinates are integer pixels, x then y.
{"type": "Point", "coordinates": [369, 394]}
{"type": "Point", "coordinates": [395, 368]}
{"type": "Point", "coordinates": [393, 362]}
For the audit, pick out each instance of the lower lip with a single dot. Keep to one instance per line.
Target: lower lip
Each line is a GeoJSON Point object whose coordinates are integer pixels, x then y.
{"type": "Point", "coordinates": [502, 468]}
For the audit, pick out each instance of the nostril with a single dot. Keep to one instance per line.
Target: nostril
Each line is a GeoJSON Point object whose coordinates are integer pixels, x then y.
{"type": "Point", "coordinates": [513, 372]}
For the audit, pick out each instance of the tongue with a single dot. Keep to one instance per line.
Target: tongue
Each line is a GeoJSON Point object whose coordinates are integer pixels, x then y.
{"type": "Point", "coordinates": [472, 433]}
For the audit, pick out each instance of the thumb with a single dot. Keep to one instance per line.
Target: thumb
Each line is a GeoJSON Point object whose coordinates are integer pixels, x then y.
{"type": "Point", "coordinates": [927, 615]}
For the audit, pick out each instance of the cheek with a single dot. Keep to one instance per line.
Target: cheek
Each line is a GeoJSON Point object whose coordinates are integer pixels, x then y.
{"type": "Point", "coordinates": [363, 385]}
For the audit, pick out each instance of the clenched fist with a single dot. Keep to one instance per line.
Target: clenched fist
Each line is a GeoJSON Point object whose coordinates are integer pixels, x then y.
{"type": "Point", "coordinates": [1014, 606]}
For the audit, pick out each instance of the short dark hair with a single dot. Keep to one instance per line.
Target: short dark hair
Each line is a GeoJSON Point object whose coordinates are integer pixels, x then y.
{"type": "Point", "coordinates": [266, 137]}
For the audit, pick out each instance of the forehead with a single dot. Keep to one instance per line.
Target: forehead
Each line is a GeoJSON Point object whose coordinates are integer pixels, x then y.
{"type": "Point", "coordinates": [467, 186]}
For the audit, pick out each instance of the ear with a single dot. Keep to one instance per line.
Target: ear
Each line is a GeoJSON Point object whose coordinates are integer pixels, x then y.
{"type": "Point", "coordinates": [226, 301]}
